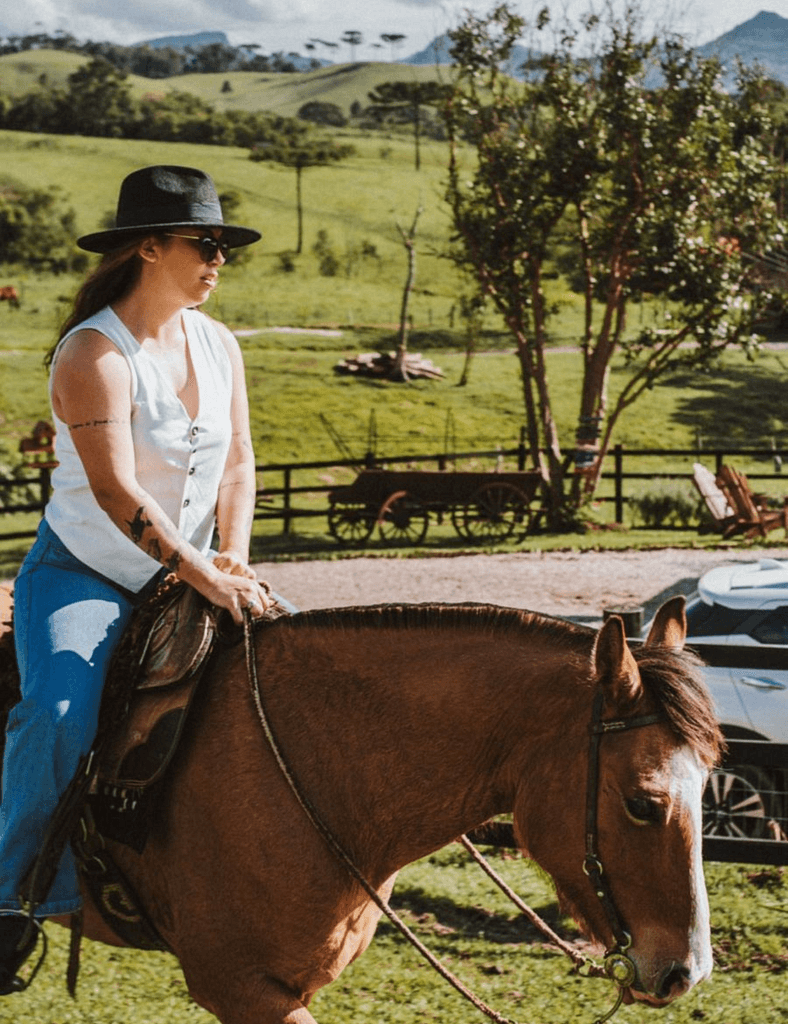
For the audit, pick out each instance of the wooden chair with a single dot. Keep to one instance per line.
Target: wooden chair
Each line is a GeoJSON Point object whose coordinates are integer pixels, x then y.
{"type": "Point", "coordinates": [723, 516]}
{"type": "Point", "coordinates": [751, 510]}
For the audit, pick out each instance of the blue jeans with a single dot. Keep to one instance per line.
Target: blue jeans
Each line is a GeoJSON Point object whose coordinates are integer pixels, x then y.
{"type": "Point", "coordinates": [67, 622]}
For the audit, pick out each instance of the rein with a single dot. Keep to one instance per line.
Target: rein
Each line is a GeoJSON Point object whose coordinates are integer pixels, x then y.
{"type": "Point", "coordinates": [618, 967]}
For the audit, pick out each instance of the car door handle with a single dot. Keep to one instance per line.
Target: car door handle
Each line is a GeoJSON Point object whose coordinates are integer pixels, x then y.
{"type": "Point", "coordinates": [762, 684]}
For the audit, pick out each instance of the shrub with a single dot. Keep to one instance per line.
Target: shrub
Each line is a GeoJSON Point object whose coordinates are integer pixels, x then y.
{"type": "Point", "coordinates": [328, 261]}
{"type": "Point", "coordinates": [322, 112]}
{"type": "Point", "coordinates": [666, 503]}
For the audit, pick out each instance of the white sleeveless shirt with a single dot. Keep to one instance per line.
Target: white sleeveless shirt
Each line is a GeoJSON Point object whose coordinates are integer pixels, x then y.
{"type": "Point", "coordinates": [179, 461]}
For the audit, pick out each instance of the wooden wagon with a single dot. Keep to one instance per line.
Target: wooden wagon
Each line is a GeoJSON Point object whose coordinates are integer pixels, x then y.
{"type": "Point", "coordinates": [482, 505]}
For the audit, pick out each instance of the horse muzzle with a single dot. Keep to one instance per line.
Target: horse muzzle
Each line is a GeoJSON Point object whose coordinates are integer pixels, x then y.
{"type": "Point", "coordinates": [670, 980]}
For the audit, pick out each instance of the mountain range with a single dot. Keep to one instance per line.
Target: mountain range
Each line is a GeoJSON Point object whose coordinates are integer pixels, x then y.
{"type": "Point", "coordinates": [763, 40]}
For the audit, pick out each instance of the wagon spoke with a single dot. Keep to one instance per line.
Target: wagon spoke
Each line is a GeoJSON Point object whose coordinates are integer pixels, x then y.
{"type": "Point", "coordinates": [351, 523]}
{"type": "Point", "coordinates": [494, 511]}
{"type": "Point", "coordinates": [404, 519]}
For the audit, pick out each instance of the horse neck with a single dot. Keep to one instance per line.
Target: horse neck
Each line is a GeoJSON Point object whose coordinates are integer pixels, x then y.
{"type": "Point", "coordinates": [412, 737]}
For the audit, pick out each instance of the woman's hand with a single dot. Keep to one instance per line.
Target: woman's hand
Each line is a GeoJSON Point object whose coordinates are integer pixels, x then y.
{"type": "Point", "coordinates": [246, 592]}
{"type": "Point", "coordinates": [237, 593]}
{"type": "Point", "coordinates": [233, 565]}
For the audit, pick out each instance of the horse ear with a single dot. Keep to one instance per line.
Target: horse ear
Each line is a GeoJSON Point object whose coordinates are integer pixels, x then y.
{"type": "Point", "coordinates": [616, 669]}
{"type": "Point", "coordinates": [669, 628]}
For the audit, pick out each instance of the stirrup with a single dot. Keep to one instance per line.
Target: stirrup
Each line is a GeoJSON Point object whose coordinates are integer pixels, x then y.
{"type": "Point", "coordinates": [27, 943]}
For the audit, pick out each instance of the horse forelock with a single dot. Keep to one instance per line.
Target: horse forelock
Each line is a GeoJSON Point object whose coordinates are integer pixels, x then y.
{"type": "Point", "coordinates": [673, 680]}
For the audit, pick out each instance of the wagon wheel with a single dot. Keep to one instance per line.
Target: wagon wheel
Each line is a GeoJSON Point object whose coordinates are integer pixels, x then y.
{"type": "Point", "coordinates": [492, 513]}
{"type": "Point", "coordinates": [351, 524]}
{"type": "Point", "coordinates": [402, 517]}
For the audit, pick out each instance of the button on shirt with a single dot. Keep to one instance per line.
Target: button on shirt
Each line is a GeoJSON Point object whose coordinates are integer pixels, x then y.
{"type": "Point", "coordinates": [179, 461]}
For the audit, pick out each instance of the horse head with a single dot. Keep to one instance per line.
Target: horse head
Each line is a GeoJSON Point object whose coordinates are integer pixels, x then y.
{"type": "Point", "coordinates": [629, 866]}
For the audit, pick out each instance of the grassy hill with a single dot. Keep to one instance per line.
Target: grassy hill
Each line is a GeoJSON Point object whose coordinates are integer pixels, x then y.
{"type": "Point", "coordinates": [357, 203]}
{"type": "Point", "coordinates": [342, 84]}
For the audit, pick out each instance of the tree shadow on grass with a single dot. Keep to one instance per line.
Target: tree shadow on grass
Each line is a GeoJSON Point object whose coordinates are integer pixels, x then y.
{"type": "Point", "coordinates": [448, 920]}
{"type": "Point", "coordinates": [746, 406]}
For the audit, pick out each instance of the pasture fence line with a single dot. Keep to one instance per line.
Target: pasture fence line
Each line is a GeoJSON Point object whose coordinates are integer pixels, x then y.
{"type": "Point", "coordinates": [281, 500]}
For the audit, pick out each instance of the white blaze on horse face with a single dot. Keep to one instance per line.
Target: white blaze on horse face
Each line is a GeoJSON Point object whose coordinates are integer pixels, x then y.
{"type": "Point", "coordinates": [671, 971]}
{"type": "Point", "coordinates": [689, 778]}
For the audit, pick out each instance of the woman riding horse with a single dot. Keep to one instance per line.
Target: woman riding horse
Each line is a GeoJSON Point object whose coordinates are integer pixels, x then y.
{"type": "Point", "coordinates": [154, 452]}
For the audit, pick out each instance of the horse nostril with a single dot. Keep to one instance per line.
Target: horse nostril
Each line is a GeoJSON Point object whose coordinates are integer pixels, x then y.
{"type": "Point", "coordinates": [674, 981]}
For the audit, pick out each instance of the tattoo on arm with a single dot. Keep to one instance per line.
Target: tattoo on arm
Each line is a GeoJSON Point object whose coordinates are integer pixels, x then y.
{"type": "Point", "coordinates": [91, 423]}
{"type": "Point", "coordinates": [173, 563]}
{"type": "Point", "coordinates": [154, 550]}
{"type": "Point", "coordinates": [138, 525]}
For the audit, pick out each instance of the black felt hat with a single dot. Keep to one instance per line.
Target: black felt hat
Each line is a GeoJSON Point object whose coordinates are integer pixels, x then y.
{"type": "Point", "coordinates": [159, 197]}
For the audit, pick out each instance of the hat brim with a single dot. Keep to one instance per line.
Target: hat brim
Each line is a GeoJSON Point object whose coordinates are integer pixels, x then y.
{"type": "Point", "coordinates": [106, 241]}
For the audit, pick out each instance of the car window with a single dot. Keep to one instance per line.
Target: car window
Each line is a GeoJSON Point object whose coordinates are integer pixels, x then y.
{"type": "Point", "coordinates": [715, 619]}
{"type": "Point", "coordinates": [773, 628]}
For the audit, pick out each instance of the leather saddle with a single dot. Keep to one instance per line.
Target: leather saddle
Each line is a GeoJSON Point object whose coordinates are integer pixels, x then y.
{"type": "Point", "coordinates": [151, 683]}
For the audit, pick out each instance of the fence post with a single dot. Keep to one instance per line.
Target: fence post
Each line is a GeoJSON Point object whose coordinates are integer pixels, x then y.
{"type": "Point", "coordinates": [521, 451]}
{"type": "Point", "coordinates": [618, 453]}
{"type": "Point", "coordinates": [286, 516]}
{"type": "Point", "coordinates": [44, 478]}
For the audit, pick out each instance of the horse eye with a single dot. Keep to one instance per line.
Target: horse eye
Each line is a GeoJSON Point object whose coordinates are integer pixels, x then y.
{"type": "Point", "coordinates": [642, 810]}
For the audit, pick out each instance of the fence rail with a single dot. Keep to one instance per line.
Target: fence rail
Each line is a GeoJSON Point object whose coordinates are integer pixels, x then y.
{"type": "Point", "coordinates": [280, 502]}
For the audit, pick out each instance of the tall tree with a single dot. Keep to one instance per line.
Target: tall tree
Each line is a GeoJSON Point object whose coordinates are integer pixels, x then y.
{"type": "Point", "coordinates": [98, 101]}
{"type": "Point", "coordinates": [353, 38]}
{"type": "Point", "coordinates": [408, 236]}
{"type": "Point", "coordinates": [650, 195]}
{"type": "Point", "coordinates": [300, 152]}
{"type": "Point", "coordinates": [394, 40]}
{"type": "Point", "coordinates": [409, 98]}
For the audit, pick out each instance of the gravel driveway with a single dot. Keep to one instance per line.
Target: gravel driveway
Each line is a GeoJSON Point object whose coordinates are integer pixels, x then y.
{"type": "Point", "coordinates": [579, 585]}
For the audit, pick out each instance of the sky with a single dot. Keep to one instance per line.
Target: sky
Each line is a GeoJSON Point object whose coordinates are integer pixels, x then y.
{"type": "Point", "coordinates": [288, 25]}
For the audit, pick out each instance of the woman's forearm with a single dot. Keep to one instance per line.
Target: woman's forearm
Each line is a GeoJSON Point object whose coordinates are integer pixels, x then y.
{"type": "Point", "coordinates": [143, 521]}
{"type": "Point", "coordinates": [235, 508]}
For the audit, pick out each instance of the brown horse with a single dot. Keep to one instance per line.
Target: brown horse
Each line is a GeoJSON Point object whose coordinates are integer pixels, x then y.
{"type": "Point", "coordinates": [407, 726]}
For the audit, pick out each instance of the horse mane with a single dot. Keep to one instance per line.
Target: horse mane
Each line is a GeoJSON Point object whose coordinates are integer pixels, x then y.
{"type": "Point", "coordinates": [671, 678]}
{"type": "Point", "coordinates": [485, 617]}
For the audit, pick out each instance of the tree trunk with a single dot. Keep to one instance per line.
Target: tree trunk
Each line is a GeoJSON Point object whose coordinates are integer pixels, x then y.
{"type": "Point", "coordinates": [400, 371]}
{"type": "Point", "coordinates": [300, 210]}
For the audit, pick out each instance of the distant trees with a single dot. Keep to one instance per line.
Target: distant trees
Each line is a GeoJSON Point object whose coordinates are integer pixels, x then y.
{"type": "Point", "coordinates": [157, 62]}
{"type": "Point", "coordinates": [656, 199]}
{"type": "Point", "coordinates": [97, 100]}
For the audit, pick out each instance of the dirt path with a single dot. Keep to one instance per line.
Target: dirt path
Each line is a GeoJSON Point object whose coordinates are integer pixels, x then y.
{"type": "Point", "coordinates": [576, 584]}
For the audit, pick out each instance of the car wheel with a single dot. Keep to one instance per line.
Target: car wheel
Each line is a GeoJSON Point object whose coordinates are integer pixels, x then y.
{"type": "Point", "coordinates": [739, 801]}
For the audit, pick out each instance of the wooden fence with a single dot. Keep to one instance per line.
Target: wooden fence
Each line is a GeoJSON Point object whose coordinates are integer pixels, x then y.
{"type": "Point", "coordinates": [285, 482]}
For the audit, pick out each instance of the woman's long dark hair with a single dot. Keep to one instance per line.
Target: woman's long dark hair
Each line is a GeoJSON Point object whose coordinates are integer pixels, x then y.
{"type": "Point", "coordinates": [110, 281]}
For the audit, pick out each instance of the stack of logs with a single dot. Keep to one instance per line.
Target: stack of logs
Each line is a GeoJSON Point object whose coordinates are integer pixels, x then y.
{"type": "Point", "coordinates": [384, 366]}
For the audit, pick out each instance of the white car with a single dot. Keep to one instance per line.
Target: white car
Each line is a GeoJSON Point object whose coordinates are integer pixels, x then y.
{"type": "Point", "coordinates": [745, 605]}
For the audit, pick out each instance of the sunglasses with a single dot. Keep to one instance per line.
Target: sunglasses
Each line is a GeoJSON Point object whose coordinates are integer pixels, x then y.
{"type": "Point", "coordinates": [208, 246]}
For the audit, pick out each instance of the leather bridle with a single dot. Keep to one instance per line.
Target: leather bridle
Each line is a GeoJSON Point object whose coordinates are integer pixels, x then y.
{"type": "Point", "coordinates": [619, 967]}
